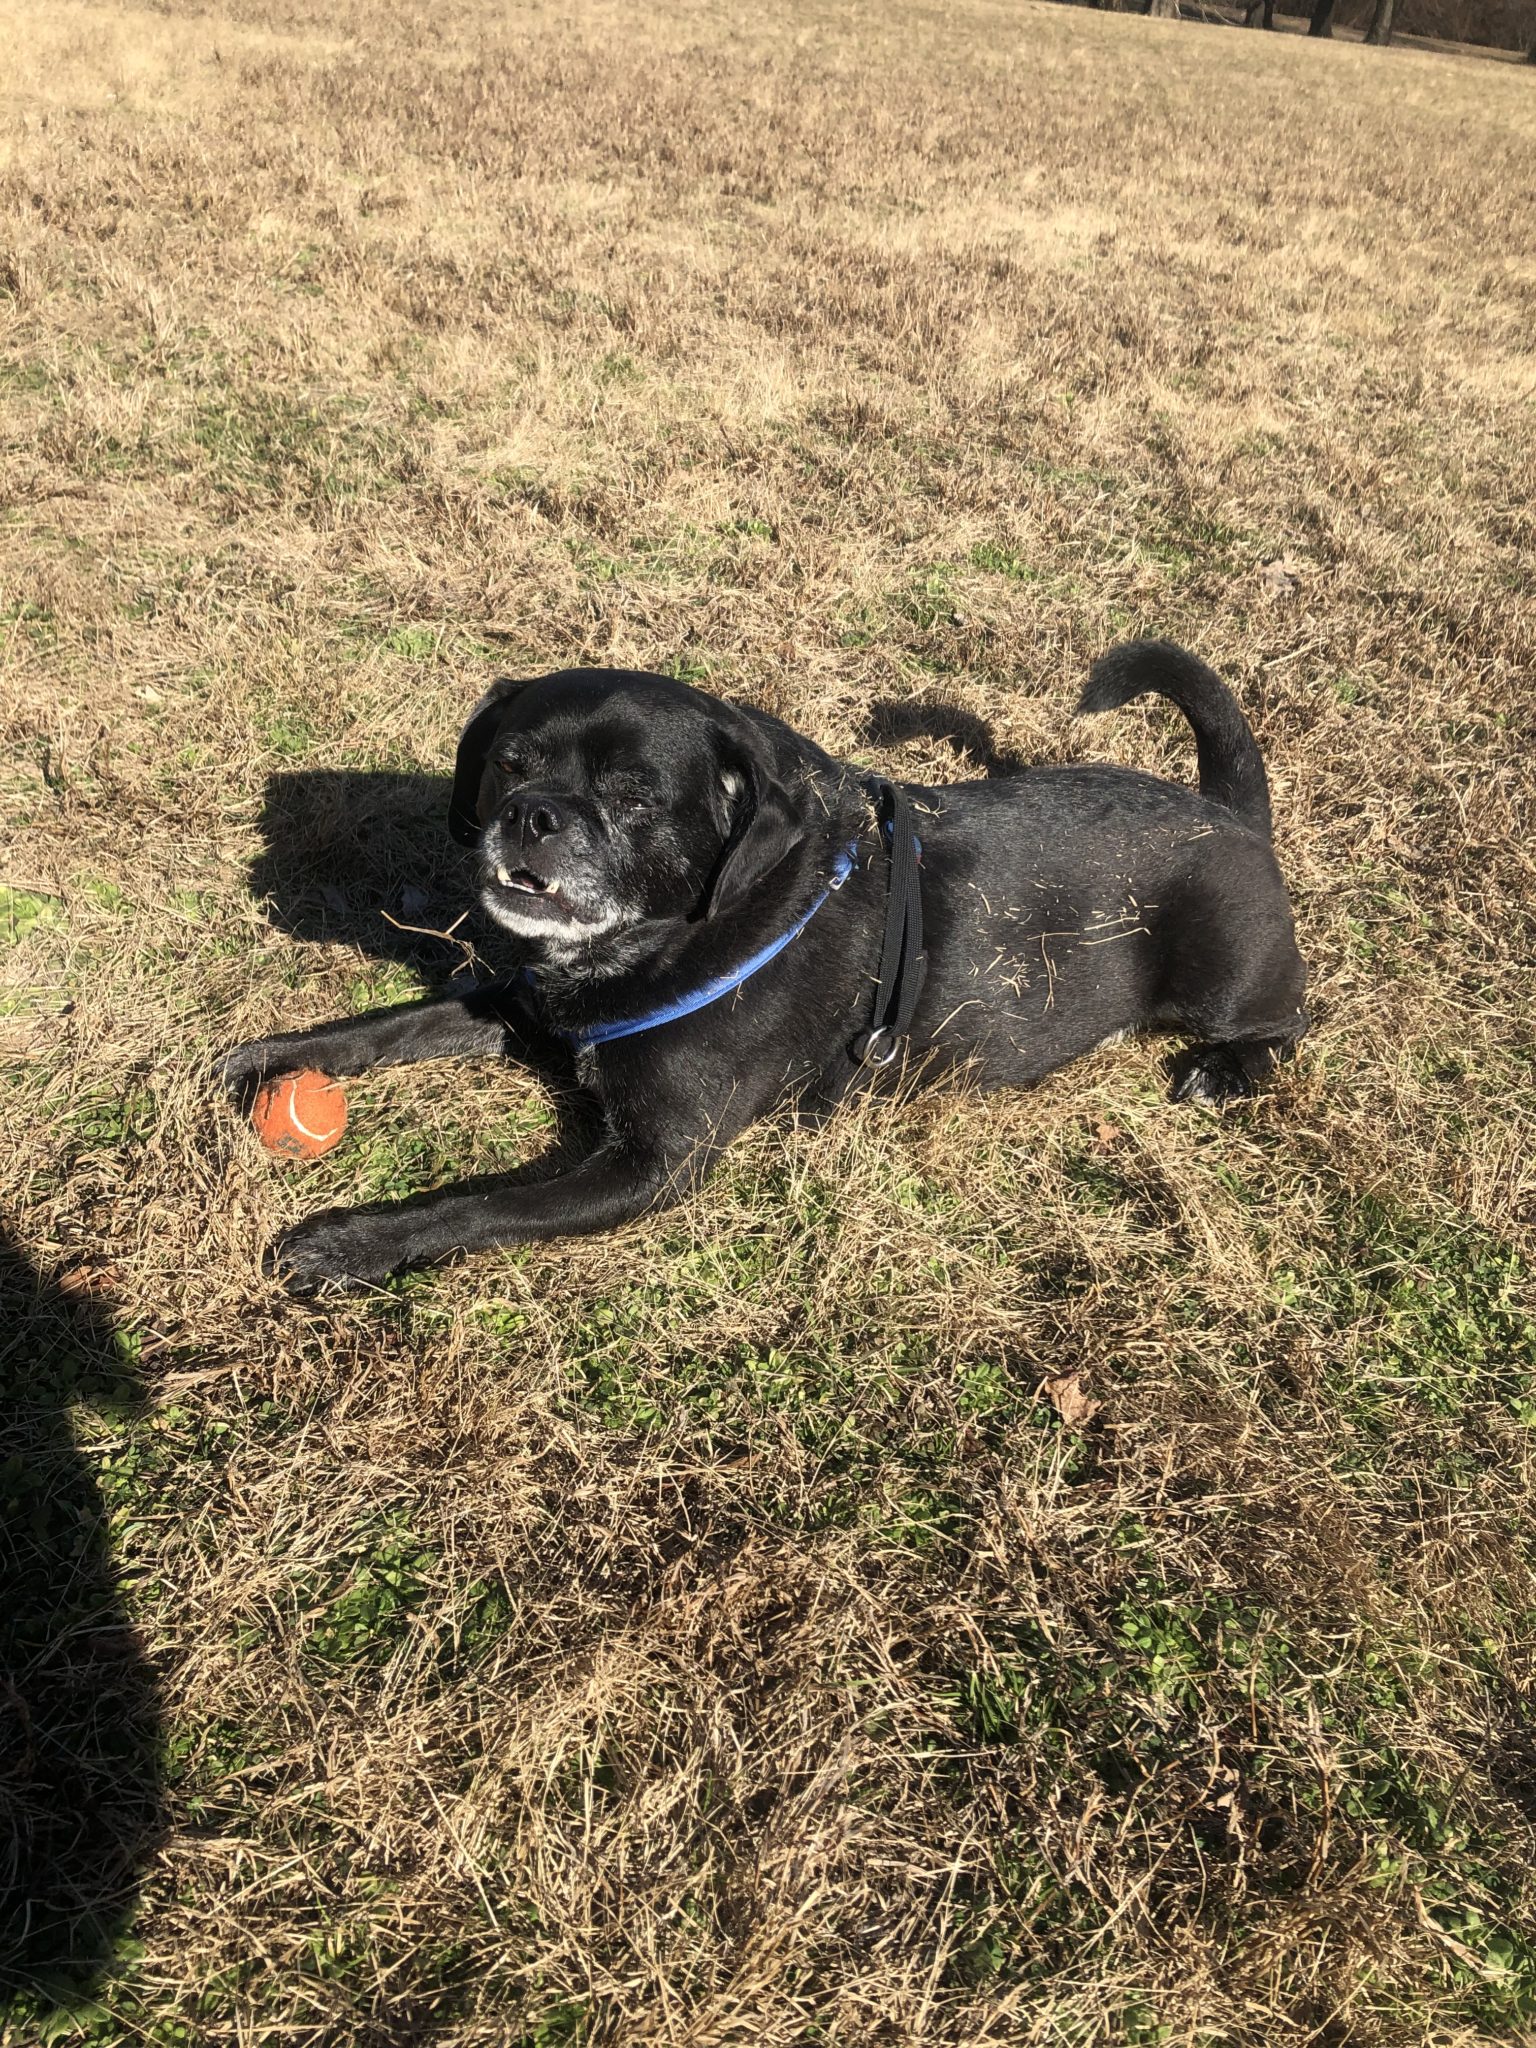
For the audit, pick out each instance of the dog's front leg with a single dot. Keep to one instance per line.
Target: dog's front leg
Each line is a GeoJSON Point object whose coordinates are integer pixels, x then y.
{"type": "Point", "coordinates": [482, 1021]}
{"type": "Point", "coordinates": [350, 1248]}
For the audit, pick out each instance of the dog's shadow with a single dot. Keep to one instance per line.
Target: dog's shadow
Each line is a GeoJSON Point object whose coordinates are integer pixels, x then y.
{"type": "Point", "coordinates": [893, 722]}
{"type": "Point", "coordinates": [363, 858]}
{"type": "Point", "coordinates": [80, 1789]}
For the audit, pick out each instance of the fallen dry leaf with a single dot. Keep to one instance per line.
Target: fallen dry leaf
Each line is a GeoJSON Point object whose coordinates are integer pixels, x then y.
{"type": "Point", "coordinates": [89, 1280]}
{"type": "Point", "coordinates": [1066, 1396]}
{"type": "Point", "coordinates": [1107, 1137]}
{"type": "Point", "coordinates": [1281, 577]}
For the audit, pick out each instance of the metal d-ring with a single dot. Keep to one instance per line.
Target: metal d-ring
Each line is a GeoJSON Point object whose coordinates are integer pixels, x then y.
{"type": "Point", "coordinates": [877, 1048]}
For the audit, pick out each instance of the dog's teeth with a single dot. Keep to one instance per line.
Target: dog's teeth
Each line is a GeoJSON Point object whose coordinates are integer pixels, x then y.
{"type": "Point", "coordinates": [504, 874]}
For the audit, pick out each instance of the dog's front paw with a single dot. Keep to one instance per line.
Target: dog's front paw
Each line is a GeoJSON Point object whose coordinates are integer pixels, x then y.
{"type": "Point", "coordinates": [244, 1068]}
{"type": "Point", "coordinates": [335, 1252]}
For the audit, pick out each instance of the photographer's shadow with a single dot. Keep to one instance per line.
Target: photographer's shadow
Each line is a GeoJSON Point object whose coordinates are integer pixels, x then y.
{"type": "Point", "coordinates": [80, 1790]}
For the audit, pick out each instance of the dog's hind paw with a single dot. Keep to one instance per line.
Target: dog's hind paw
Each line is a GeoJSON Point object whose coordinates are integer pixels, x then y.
{"type": "Point", "coordinates": [1217, 1074]}
{"type": "Point", "coordinates": [1209, 1082]}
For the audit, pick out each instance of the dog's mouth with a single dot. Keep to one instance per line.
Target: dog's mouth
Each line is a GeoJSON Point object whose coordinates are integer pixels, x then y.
{"type": "Point", "coordinates": [525, 882]}
{"type": "Point", "coordinates": [560, 908]}
{"type": "Point", "coordinates": [528, 901]}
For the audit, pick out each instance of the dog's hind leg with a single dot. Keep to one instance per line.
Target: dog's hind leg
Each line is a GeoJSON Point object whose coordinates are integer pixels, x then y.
{"type": "Point", "coordinates": [1243, 1038]}
{"type": "Point", "coordinates": [1233, 979]}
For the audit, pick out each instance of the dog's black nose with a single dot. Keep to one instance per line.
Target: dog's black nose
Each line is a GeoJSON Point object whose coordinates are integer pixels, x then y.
{"type": "Point", "coordinates": [533, 818]}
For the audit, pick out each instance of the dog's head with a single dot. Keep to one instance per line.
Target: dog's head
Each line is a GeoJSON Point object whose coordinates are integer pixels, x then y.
{"type": "Point", "coordinates": [601, 799]}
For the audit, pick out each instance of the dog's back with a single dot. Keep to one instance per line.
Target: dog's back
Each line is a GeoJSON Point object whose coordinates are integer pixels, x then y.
{"type": "Point", "coordinates": [1069, 905]}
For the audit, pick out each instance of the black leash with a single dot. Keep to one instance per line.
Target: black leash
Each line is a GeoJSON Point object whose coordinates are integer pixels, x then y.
{"type": "Point", "coordinates": [903, 963]}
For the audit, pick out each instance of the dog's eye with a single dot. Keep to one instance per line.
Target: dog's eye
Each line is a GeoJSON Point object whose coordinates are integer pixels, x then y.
{"type": "Point", "coordinates": [510, 764]}
{"type": "Point", "coordinates": [627, 799]}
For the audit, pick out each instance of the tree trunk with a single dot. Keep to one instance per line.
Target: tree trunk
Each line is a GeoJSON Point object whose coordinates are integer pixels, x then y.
{"type": "Point", "coordinates": [1322, 17]}
{"type": "Point", "coordinates": [1266, 8]}
{"type": "Point", "coordinates": [1166, 9]}
{"type": "Point", "coordinates": [1380, 30]}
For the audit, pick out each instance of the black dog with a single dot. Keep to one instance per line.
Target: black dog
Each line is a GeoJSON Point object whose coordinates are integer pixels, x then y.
{"type": "Point", "coordinates": [713, 915]}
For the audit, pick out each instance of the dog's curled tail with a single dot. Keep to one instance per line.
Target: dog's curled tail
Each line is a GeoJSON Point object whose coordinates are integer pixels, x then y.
{"type": "Point", "coordinates": [1231, 767]}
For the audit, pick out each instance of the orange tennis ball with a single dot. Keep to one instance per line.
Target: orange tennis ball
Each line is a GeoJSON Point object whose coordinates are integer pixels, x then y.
{"type": "Point", "coordinates": [300, 1115]}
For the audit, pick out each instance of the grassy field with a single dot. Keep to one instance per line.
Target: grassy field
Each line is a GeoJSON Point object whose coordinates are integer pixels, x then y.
{"type": "Point", "coordinates": [1055, 1569]}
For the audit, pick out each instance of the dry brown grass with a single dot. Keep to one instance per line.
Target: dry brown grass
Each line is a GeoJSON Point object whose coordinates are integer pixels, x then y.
{"type": "Point", "coordinates": [711, 1635]}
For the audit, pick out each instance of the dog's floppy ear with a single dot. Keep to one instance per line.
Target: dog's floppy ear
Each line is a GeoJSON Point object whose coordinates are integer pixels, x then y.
{"type": "Point", "coordinates": [469, 767]}
{"type": "Point", "coordinates": [764, 826]}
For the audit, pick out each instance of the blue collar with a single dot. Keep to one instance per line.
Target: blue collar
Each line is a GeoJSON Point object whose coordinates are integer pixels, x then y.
{"type": "Point", "coordinates": [723, 984]}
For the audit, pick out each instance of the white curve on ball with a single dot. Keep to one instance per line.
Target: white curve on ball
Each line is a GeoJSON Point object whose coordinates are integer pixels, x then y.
{"type": "Point", "coordinates": [296, 1120]}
